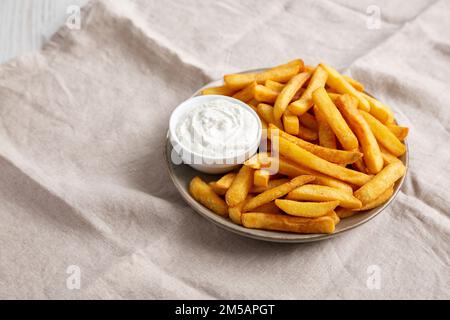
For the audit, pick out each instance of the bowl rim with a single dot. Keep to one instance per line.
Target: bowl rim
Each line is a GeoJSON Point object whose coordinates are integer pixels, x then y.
{"type": "Point", "coordinates": [268, 235]}
{"type": "Point", "coordinates": [223, 160]}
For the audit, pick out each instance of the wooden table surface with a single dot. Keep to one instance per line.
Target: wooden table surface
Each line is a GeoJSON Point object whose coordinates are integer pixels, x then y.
{"type": "Point", "coordinates": [26, 24]}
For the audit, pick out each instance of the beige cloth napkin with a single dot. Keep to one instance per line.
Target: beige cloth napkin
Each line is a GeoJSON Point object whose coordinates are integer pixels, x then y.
{"type": "Point", "coordinates": [84, 189]}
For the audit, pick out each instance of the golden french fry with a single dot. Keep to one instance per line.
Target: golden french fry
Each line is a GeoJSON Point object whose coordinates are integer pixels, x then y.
{"type": "Point", "coordinates": [285, 223]}
{"type": "Point", "coordinates": [312, 192]}
{"type": "Point", "coordinates": [272, 184]}
{"type": "Point", "coordinates": [258, 161]}
{"type": "Point", "coordinates": [332, 214]}
{"type": "Point", "coordinates": [293, 170]}
{"type": "Point", "coordinates": [347, 105]}
{"type": "Point", "coordinates": [269, 208]}
{"type": "Point", "coordinates": [247, 93]}
{"type": "Point", "coordinates": [261, 178]}
{"type": "Point", "coordinates": [204, 194]}
{"type": "Point", "coordinates": [385, 196]}
{"type": "Point", "coordinates": [343, 213]}
{"type": "Point", "coordinates": [310, 69]}
{"type": "Point", "coordinates": [235, 212]}
{"type": "Point", "coordinates": [305, 102]}
{"type": "Point", "coordinates": [222, 90]}
{"type": "Point", "coordinates": [306, 209]}
{"type": "Point", "coordinates": [336, 81]}
{"type": "Point", "coordinates": [307, 134]}
{"type": "Point", "coordinates": [291, 123]}
{"type": "Point", "coordinates": [400, 132]}
{"type": "Point", "coordinates": [307, 120]}
{"type": "Point", "coordinates": [332, 155]}
{"type": "Point", "coordinates": [379, 110]}
{"type": "Point", "coordinates": [275, 86]}
{"type": "Point", "coordinates": [240, 187]}
{"type": "Point", "coordinates": [333, 96]}
{"type": "Point", "coordinates": [327, 138]}
{"type": "Point", "coordinates": [277, 192]}
{"type": "Point", "coordinates": [355, 84]}
{"type": "Point", "coordinates": [281, 73]}
{"type": "Point", "coordinates": [264, 94]}
{"type": "Point", "coordinates": [384, 136]}
{"type": "Point", "coordinates": [382, 181]}
{"type": "Point", "coordinates": [301, 156]}
{"type": "Point", "coordinates": [266, 112]}
{"type": "Point", "coordinates": [335, 120]}
{"type": "Point", "coordinates": [253, 104]}
{"type": "Point", "coordinates": [288, 92]}
{"type": "Point", "coordinates": [388, 158]}
{"type": "Point", "coordinates": [222, 185]}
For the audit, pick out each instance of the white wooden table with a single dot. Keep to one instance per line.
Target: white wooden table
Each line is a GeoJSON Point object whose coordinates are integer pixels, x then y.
{"type": "Point", "coordinates": [26, 24]}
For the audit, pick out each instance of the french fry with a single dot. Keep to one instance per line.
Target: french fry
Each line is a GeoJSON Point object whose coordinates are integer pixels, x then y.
{"type": "Point", "coordinates": [334, 118]}
{"type": "Point", "coordinates": [301, 156]}
{"type": "Point", "coordinates": [204, 194]}
{"type": "Point", "coordinates": [306, 209]}
{"type": "Point", "coordinates": [384, 136]}
{"type": "Point", "coordinates": [310, 69]}
{"type": "Point", "coordinates": [379, 110]}
{"type": "Point", "coordinates": [312, 192]}
{"type": "Point", "coordinates": [272, 184]}
{"type": "Point", "coordinates": [277, 192]}
{"type": "Point", "coordinates": [235, 212]}
{"type": "Point", "coordinates": [343, 213]}
{"type": "Point", "coordinates": [222, 91]}
{"type": "Point", "coordinates": [288, 92]}
{"type": "Point", "coordinates": [266, 112]}
{"type": "Point", "coordinates": [281, 73]}
{"type": "Point", "coordinates": [347, 105]}
{"type": "Point", "coordinates": [355, 84]}
{"type": "Point", "coordinates": [336, 81]}
{"type": "Point", "coordinates": [222, 185]}
{"type": "Point", "coordinates": [307, 134]}
{"type": "Point", "coordinates": [291, 123]}
{"type": "Point", "coordinates": [327, 138]}
{"type": "Point", "coordinates": [332, 155]}
{"type": "Point", "coordinates": [307, 120]}
{"type": "Point", "coordinates": [388, 158]}
{"type": "Point", "coordinates": [240, 187]}
{"type": "Point", "coordinates": [264, 94]}
{"type": "Point", "coordinates": [269, 208]}
{"type": "Point", "coordinates": [261, 178]}
{"type": "Point", "coordinates": [293, 170]}
{"type": "Point", "coordinates": [305, 102]}
{"type": "Point", "coordinates": [385, 196]}
{"type": "Point", "coordinates": [285, 223]}
{"type": "Point", "coordinates": [400, 132]}
{"type": "Point", "coordinates": [259, 160]}
{"type": "Point", "coordinates": [247, 93]}
{"type": "Point", "coordinates": [253, 104]}
{"type": "Point", "coordinates": [275, 86]}
{"type": "Point", "coordinates": [382, 181]}
{"type": "Point", "coordinates": [333, 96]}
{"type": "Point", "coordinates": [332, 214]}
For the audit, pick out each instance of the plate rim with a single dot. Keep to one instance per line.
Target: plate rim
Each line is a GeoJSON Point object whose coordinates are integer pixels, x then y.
{"type": "Point", "coordinates": [268, 235]}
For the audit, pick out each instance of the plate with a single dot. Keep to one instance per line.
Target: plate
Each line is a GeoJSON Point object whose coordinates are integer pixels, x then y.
{"type": "Point", "coordinates": [182, 174]}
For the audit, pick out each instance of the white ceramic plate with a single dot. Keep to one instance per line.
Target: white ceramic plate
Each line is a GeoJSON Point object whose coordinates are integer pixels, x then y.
{"type": "Point", "coordinates": [182, 174]}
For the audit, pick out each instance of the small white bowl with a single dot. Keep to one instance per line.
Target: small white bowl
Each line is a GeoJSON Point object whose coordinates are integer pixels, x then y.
{"type": "Point", "coordinates": [203, 163]}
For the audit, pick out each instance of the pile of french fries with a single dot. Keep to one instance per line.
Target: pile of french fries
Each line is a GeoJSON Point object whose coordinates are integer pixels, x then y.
{"type": "Point", "coordinates": [337, 151]}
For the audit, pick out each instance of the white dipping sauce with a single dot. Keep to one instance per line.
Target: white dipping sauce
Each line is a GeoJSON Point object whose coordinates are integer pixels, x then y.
{"type": "Point", "coordinates": [218, 129]}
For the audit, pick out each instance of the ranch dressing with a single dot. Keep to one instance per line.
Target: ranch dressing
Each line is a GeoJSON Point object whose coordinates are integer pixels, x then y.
{"type": "Point", "coordinates": [218, 129]}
